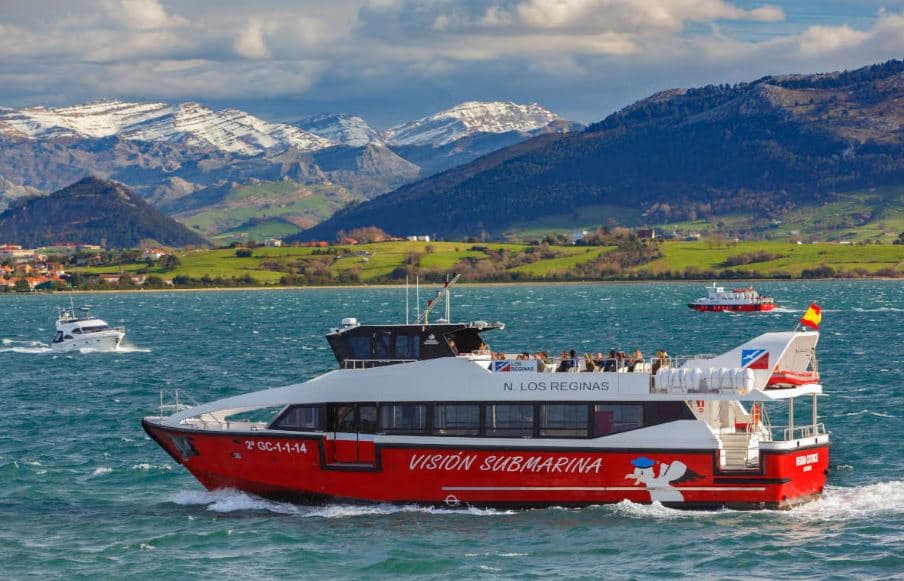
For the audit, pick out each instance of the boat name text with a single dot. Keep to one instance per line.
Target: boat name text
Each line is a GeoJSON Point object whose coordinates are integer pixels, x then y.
{"type": "Point", "coordinates": [461, 462]}
{"type": "Point", "coordinates": [556, 386]}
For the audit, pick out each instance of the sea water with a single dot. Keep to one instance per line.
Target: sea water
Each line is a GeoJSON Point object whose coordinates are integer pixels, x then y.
{"type": "Point", "coordinates": [84, 493]}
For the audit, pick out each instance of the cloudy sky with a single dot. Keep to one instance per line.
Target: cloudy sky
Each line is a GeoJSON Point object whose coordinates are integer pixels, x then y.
{"type": "Point", "coordinates": [394, 60]}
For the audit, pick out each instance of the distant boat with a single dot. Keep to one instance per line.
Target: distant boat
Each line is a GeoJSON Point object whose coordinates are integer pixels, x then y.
{"type": "Point", "coordinates": [739, 299]}
{"type": "Point", "coordinates": [76, 330]}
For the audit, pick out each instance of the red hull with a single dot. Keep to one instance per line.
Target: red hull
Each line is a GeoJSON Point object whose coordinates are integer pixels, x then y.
{"type": "Point", "coordinates": [745, 308]}
{"type": "Point", "coordinates": [298, 467]}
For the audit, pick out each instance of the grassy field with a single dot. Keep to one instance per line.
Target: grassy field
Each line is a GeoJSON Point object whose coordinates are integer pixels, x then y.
{"type": "Point", "coordinates": [372, 261]}
{"type": "Point", "coordinates": [794, 257]}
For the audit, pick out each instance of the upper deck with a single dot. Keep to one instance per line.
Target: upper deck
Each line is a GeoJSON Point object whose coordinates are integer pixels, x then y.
{"type": "Point", "coordinates": [358, 346]}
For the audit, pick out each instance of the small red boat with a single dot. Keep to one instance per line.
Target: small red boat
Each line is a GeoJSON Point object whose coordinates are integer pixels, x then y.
{"type": "Point", "coordinates": [739, 299]}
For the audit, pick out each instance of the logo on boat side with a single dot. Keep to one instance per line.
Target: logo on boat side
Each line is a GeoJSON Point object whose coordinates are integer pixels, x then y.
{"type": "Point", "coordinates": [431, 340]}
{"type": "Point", "coordinates": [661, 486]}
{"type": "Point", "coordinates": [755, 358]}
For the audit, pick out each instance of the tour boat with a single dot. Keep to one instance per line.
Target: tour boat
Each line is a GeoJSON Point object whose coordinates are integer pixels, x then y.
{"type": "Point", "coordinates": [75, 331]}
{"type": "Point", "coordinates": [739, 299]}
{"type": "Point", "coordinates": [425, 413]}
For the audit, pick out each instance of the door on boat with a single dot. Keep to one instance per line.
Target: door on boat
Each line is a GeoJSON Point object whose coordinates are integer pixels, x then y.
{"type": "Point", "coordinates": [353, 427]}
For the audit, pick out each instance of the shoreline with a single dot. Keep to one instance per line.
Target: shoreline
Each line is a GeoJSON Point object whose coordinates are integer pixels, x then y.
{"type": "Point", "coordinates": [428, 286]}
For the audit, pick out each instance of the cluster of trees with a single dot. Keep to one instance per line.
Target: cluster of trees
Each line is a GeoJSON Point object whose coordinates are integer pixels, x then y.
{"type": "Point", "coordinates": [751, 257]}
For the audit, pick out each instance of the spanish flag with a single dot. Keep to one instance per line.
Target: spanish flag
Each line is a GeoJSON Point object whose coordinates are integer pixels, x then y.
{"type": "Point", "coordinates": [812, 317]}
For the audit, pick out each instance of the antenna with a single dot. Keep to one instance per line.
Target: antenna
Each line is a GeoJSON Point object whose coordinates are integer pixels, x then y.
{"type": "Point", "coordinates": [448, 302]}
{"type": "Point", "coordinates": [406, 299]}
{"type": "Point", "coordinates": [443, 292]}
{"type": "Point", "coordinates": [417, 296]}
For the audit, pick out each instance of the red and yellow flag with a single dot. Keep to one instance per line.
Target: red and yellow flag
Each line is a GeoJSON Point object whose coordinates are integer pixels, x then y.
{"type": "Point", "coordinates": [812, 317]}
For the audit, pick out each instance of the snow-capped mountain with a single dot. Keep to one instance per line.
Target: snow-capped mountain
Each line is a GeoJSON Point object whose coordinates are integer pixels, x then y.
{"type": "Point", "coordinates": [229, 130]}
{"type": "Point", "coordinates": [348, 130]}
{"type": "Point", "coordinates": [468, 119]}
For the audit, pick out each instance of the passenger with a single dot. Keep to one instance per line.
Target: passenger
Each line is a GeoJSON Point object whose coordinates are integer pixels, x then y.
{"type": "Point", "coordinates": [661, 360]}
{"type": "Point", "coordinates": [599, 361]}
{"type": "Point", "coordinates": [524, 356]}
{"type": "Point", "coordinates": [636, 359]}
{"type": "Point", "coordinates": [611, 363]}
{"type": "Point", "coordinates": [541, 361]}
{"type": "Point", "coordinates": [453, 346]}
{"type": "Point", "coordinates": [589, 365]}
{"type": "Point", "coordinates": [566, 363]}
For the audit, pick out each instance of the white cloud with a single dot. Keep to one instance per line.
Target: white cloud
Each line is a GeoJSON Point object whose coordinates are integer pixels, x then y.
{"type": "Point", "coordinates": [250, 42]}
{"type": "Point", "coordinates": [399, 54]}
{"type": "Point", "coordinates": [819, 40]}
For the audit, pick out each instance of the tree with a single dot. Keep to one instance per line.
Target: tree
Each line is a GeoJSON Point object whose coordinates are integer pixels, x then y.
{"type": "Point", "coordinates": [243, 252]}
{"type": "Point", "coordinates": [169, 262]}
{"type": "Point", "coordinates": [21, 286]}
{"type": "Point", "coordinates": [900, 239]}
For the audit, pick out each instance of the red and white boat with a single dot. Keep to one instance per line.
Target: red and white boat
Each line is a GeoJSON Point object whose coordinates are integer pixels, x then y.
{"type": "Point", "coordinates": [424, 413]}
{"type": "Point", "coordinates": [739, 299]}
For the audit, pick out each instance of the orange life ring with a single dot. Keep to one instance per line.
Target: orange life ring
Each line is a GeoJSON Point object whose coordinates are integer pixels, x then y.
{"type": "Point", "coordinates": [755, 415]}
{"type": "Point", "coordinates": [701, 405]}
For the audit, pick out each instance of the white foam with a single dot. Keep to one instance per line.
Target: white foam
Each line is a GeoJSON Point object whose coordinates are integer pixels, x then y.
{"type": "Point", "coordinates": [101, 471]}
{"type": "Point", "coordinates": [26, 347]}
{"type": "Point", "coordinates": [146, 467]}
{"type": "Point", "coordinates": [233, 500]}
{"type": "Point", "coordinates": [854, 502]}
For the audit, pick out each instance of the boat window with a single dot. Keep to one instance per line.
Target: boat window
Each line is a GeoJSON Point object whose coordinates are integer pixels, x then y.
{"type": "Point", "coordinates": [456, 419]}
{"type": "Point", "coordinates": [407, 346]}
{"type": "Point", "coordinates": [403, 418]}
{"type": "Point", "coordinates": [367, 419]}
{"type": "Point", "coordinates": [344, 419]}
{"type": "Point", "coordinates": [68, 337]}
{"type": "Point", "coordinates": [383, 343]}
{"type": "Point", "coordinates": [662, 412]}
{"type": "Point", "coordinates": [76, 331]}
{"type": "Point", "coordinates": [94, 329]}
{"type": "Point", "coordinates": [509, 420]}
{"type": "Point", "coordinates": [300, 418]}
{"type": "Point", "coordinates": [564, 420]}
{"type": "Point", "coordinates": [615, 418]}
{"type": "Point", "coordinates": [359, 346]}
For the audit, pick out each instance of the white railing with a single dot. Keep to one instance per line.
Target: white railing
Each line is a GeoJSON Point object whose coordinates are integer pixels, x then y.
{"type": "Point", "coordinates": [368, 363]}
{"type": "Point", "coordinates": [801, 432]}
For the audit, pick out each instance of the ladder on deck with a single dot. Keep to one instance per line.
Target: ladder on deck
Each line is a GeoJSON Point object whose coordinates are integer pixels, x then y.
{"type": "Point", "coordinates": [740, 451]}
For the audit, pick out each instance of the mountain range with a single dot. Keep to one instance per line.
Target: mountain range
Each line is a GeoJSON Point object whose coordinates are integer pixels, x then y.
{"type": "Point", "coordinates": [188, 159]}
{"type": "Point", "coordinates": [758, 149]}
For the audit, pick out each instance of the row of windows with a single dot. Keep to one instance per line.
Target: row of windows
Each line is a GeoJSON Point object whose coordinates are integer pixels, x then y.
{"type": "Point", "coordinates": [524, 420]}
{"type": "Point", "coordinates": [384, 345]}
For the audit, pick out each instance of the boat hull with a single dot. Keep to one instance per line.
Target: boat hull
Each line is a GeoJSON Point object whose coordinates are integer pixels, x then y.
{"type": "Point", "coordinates": [733, 308]}
{"type": "Point", "coordinates": [299, 468]}
{"type": "Point", "coordinates": [100, 341]}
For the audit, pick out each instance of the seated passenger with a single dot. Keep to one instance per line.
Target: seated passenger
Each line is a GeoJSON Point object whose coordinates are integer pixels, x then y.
{"type": "Point", "coordinates": [589, 365]}
{"type": "Point", "coordinates": [661, 360]}
{"type": "Point", "coordinates": [636, 359]}
{"type": "Point", "coordinates": [566, 363]}
{"type": "Point", "coordinates": [612, 362]}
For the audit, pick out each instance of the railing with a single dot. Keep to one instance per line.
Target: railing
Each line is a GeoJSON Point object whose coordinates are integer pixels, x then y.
{"type": "Point", "coordinates": [177, 406]}
{"type": "Point", "coordinates": [801, 432]}
{"type": "Point", "coordinates": [368, 363]}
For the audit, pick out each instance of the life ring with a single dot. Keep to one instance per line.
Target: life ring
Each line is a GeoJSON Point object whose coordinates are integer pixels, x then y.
{"type": "Point", "coordinates": [701, 405]}
{"type": "Point", "coordinates": [755, 415]}
{"type": "Point", "coordinates": [785, 378]}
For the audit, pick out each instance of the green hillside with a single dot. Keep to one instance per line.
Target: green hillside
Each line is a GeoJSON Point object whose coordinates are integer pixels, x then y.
{"type": "Point", "coordinates": [245, 210]}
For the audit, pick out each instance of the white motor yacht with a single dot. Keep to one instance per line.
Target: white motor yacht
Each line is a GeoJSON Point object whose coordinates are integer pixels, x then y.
{"type": "Point", "coordinates": [80, 330]}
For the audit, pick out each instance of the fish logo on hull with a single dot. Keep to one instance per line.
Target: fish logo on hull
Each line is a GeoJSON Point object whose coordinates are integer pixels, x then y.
{"type": "Point", "coordinates": [755, 358]}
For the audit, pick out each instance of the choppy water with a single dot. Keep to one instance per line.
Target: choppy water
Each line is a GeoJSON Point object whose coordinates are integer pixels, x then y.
{"type": "Point", "coordinates": [84, 493]}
